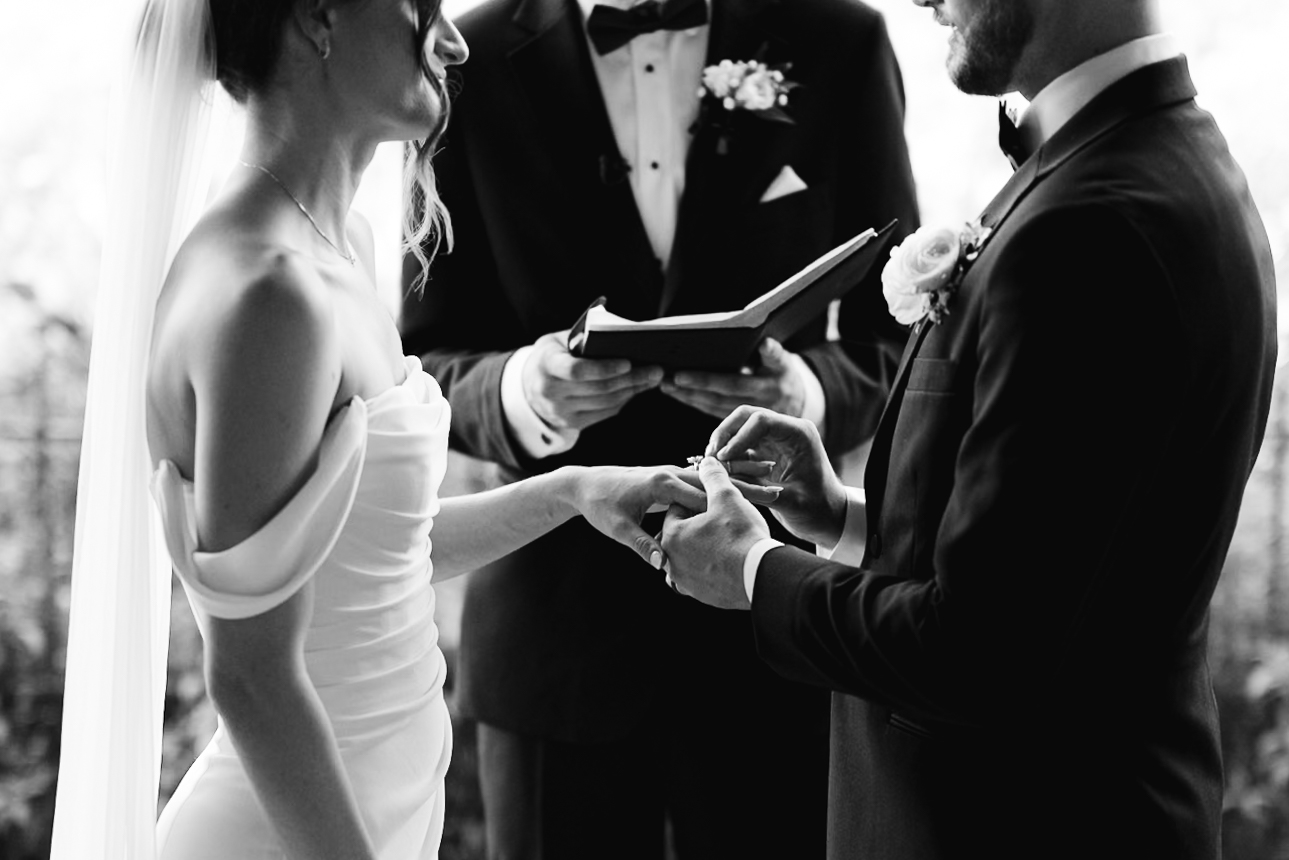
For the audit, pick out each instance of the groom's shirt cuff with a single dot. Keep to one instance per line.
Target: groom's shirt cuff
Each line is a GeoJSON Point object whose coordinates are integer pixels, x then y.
{"type": "Point", "coordinates": [849, 549]}
{"type": "Point", "coordinates": [534, 435]}
{"type": "Point", "coordinates": [752, 561]}
{"type": "Point", "coordinates": [854, 534]}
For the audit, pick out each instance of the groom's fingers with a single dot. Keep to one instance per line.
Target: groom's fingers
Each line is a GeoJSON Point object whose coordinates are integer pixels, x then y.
{"type": "Point", "coordinates": [720, 489]}
{"type": "Point", "coordinates": [749, 433]}
{"type": "Point", "coordinates": [727, 429]}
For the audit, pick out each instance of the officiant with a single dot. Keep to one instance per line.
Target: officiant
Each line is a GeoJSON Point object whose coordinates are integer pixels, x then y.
{"type": "Point", "coordinates": [675, 158]}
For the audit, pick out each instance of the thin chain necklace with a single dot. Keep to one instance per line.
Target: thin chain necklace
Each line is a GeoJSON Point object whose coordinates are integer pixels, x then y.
{"type": "Point", "coordinates": [296, 200]}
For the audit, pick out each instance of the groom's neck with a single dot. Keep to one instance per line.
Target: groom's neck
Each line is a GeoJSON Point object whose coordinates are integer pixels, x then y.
{"type": "Point", "coordinates": [1067, 35]}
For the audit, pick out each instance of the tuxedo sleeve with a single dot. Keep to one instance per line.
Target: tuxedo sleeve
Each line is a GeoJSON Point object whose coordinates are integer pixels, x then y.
{"type": "Point", "coordinates": [875, 187]}
{"type": "Point", "coordinates": [1038, 562]}
{"type": "Point", "coordinates": [461, 326]}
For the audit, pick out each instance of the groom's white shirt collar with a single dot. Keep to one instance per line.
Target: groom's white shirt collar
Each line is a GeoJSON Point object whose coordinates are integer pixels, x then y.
{"type": "Point", "coordinates": [1068, 94]}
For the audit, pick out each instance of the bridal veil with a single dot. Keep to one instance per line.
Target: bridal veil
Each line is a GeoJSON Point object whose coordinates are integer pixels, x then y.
{"type": "Point", "coordinates": [157, 175]}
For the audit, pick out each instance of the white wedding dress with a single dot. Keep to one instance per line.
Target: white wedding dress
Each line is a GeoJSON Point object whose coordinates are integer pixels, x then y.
{"type": "Point", "coordinates": [360, 528]}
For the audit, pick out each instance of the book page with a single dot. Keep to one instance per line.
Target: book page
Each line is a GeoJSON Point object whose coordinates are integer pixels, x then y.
{"type": "Point", "coordinates": [600, 319]}
{"type": "Point", "coordinates": [752, 315]}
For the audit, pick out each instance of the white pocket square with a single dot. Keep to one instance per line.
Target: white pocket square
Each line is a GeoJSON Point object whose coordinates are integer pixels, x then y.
{"type": "Point", "coordinates": [787, 182]}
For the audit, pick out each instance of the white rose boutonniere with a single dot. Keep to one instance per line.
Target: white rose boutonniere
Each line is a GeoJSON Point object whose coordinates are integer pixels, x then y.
{"type": "Point", "coordinates": [747, 86]}
{"type": "Point", "coordinates": [926, 269]}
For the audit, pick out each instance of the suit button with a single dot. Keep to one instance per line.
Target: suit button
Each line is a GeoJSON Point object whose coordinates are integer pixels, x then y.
{"type": "Point", "coordinates": [875, 545]}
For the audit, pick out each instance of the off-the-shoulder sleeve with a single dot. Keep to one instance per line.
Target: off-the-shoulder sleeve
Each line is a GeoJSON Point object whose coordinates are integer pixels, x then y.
{"type": "Point", "coordinates": [272, 564]}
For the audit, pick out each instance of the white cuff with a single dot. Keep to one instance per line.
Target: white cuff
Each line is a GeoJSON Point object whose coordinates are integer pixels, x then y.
{"type": "Point", "coordinates": [753, 560]}
{"type": "Point", "coordinates": [536, 437]}
{"type": "Point", "coordinates": [850, 547]}
{"type": "Point", "coordinates": [813, 408]}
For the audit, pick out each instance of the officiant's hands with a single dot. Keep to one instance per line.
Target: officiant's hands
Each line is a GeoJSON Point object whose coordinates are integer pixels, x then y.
{"type": "Point", "coordinates": [777, 384]}
{"type": "Point", "coordinates": [614, 499]}
{"type": "Point", "coordinates": [573, 393]}
{"type": "Point", "coordinates": [812, 504]}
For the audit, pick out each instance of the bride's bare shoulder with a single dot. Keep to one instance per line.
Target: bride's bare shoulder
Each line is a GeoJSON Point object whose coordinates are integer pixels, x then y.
{"type": "Point", "coordinates": [242, 322]}
{"type": "Point", "coordinates": [229, 281]}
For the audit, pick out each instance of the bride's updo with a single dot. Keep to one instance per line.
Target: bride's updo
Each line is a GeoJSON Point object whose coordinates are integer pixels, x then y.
{"type": "Point", "coordinates": [248, 41]}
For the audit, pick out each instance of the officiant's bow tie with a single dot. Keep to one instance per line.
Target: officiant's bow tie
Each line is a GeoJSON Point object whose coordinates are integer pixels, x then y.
{"type": "Point", "coordinates": [611, 28]}
{"type": "Point", "coordinates": [1011, 139]}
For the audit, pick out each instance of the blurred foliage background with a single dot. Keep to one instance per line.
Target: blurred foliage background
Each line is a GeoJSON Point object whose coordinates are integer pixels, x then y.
{"type": "Point", "coordinates": [56, 64]}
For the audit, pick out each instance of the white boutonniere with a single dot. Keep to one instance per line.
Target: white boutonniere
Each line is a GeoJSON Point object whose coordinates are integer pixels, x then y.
{"type": "Point", "coordinates": [747, 86]}
{"type": "Point", "coordinates": [926, 269]}
{"type": "Point", "coordinates": [750, 86]}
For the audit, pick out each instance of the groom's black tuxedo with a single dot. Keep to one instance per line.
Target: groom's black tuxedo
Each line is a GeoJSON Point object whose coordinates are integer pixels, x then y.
{"type": "Point", "coordinates": [1052, 491]}
{"type": "Point", "coordinates": [573, 637]}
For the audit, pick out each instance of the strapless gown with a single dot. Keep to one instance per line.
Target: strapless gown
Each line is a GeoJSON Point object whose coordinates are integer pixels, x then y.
{"type": "Point", "coordinates": [360, 529]}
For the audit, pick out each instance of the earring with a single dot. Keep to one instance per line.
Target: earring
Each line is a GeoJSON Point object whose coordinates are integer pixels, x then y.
{"type": "Point", "coordinates": [324, 49]}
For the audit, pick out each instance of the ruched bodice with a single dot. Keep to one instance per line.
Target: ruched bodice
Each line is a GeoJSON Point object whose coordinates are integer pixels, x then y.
{"type": "Point", "coordinates": [359, 528]}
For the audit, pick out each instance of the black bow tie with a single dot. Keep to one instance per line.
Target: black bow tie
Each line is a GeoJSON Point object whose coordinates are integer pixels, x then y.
{"type": "Point", "coordinates": [1010, 139]}
{"type": "Point", "coordinates": [611, 28]}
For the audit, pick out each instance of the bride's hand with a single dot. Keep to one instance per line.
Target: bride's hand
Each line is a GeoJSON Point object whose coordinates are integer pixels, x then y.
{"type": "Point", "coordinates": [615, 499]}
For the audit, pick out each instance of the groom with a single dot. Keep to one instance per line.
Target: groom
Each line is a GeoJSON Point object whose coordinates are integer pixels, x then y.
{"type": "Point", "coordinates": [577, 164]}
{"type": "Point", "coordinates": [1018, 659]}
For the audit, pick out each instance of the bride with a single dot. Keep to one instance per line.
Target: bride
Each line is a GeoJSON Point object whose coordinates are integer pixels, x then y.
{"type": "Point", "coordinates": [294, 454]}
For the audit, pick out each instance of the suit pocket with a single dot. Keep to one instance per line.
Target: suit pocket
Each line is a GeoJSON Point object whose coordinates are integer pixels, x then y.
{"type": "Point", "coordinates": [804, 199]}
{"type": "Point", "coordinates": [933, 374]}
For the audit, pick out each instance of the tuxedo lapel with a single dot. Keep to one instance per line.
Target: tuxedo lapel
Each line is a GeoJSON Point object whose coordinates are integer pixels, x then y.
{"type": "Point", "coordinates": [1020, 184]}
{"type": "Point", "coordinates": [552, 64]}
{"type": "Point", "coordinates": [879, 455]}
{"type": "Point", "coordinates": [1151, 87]}
{"type": "Point", "coordinates": [716, 181]}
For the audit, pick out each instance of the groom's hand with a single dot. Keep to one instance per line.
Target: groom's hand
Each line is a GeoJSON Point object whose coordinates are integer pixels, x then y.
{"type": "Point", "coordinates": [705, 551]}
{"type": "Point", "coordinates": [812, 504]}
{"type": "Point", "coordinates": [573, 393]}
{"type": "Point", "coordinates": [777, 384]}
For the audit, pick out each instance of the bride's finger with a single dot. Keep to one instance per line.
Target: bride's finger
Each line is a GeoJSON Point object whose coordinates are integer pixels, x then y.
{"type": "Point", "coordinates": [758, 494]}
{"type": "Point", "coordinates": [749, 468]}
{"type": "Point", "coordinates": [679, 489]}
{"type": "Point", "coordinates": [752, 485]}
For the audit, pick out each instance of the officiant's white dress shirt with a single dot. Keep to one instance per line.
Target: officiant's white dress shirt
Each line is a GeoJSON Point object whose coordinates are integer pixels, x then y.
{"type": "Point", "coordinates": [1053, 106]}
{"type": "Point", "coordinates": [650, 89]}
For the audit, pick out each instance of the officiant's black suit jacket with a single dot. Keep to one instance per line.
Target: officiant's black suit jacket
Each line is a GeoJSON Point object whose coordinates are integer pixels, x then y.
{"type": "Point", "coordinates": [573, 636]}
{"type": "Point", "coordinates": [1052, 491]}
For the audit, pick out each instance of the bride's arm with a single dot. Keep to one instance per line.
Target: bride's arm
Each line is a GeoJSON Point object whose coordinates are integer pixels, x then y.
{"type": "Point", "coordinates": [472, 531]}
{"type": "Point", "coordinates": [264, 389]}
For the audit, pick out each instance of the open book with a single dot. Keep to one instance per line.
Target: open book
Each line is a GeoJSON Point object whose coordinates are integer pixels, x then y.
{"type": "Point", "coordinates": [727, 341]}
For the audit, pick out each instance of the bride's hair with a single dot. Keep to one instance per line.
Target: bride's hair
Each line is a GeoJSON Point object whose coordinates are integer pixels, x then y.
{"type": "Point", "coordinates": [248, 40]}
{"type": "Point", "coordinates": [425, 219]}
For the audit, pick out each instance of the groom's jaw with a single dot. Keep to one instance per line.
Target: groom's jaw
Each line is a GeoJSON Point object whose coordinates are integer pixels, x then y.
{"type": "Point", "coordinates": [987, 44]}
